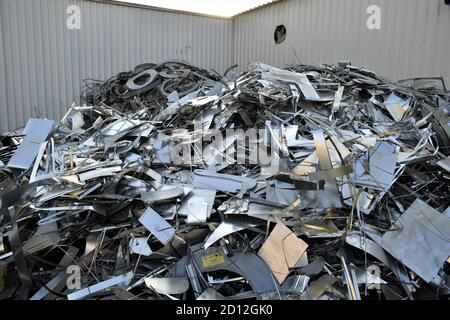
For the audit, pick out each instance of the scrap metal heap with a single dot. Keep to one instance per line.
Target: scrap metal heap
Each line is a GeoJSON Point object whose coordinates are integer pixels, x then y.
{"type": "Point", "coordinates": [171, 182]}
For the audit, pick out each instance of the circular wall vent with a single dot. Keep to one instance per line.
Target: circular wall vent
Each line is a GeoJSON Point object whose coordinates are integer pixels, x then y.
{"type": "Point", "coordinates": [280, 34]}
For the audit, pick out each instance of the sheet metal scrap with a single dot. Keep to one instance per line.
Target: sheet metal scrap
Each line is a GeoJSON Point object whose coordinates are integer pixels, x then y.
{"type": "Point", "coordinates": [173, 182]}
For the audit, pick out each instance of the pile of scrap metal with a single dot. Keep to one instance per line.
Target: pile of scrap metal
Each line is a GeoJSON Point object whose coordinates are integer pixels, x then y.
{"type": "Point", "coordinates": [170, 182]}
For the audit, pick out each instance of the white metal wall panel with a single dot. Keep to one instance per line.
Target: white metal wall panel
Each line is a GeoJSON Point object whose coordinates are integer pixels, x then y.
{"type": "Point", "coordinates": [42, 63]}
{"type": "Point", "coordinates": [413, 41]}
{"type": "Point", "coordinates": [3, 115]}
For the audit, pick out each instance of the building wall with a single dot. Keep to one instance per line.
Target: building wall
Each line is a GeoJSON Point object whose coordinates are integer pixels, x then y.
{"type": "Point", "coordinates": [413, 41]}
{"type": "Point", "coordinates": [42, 62]}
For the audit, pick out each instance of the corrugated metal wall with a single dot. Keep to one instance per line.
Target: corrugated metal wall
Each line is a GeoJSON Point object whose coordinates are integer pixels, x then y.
{"type": "Point", "coordinates": [42, 62]}
{"type": "Point", "coordinates": [413, 41]}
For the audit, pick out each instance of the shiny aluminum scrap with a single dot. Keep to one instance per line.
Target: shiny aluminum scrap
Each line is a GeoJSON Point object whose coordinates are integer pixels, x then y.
{"type": "Point", "coordinates": [156, 188]}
